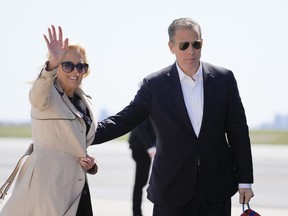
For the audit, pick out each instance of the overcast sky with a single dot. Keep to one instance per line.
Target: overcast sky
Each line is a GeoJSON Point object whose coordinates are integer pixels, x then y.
{"type": "Point", "coordinates": [127, 40]}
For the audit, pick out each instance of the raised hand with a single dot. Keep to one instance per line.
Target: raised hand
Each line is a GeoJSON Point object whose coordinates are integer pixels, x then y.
{"type": "Point", "coordinates": [56, 46]}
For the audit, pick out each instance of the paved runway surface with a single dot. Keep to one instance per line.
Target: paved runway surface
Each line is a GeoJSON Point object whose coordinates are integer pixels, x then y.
{"type": "Point", "coordinates": [111, 187]}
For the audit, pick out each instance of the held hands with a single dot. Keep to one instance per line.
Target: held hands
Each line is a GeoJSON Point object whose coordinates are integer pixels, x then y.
{"type": "Point", "coordinates": [245, 194]}
{"type": "Point", "coordinates": [57, 47]}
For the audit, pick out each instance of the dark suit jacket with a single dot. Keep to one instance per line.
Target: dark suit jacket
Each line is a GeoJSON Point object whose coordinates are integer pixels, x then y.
{"type": "Point", "coordinates": [142, 137]}
{"type": "Point", "coordinates": [222, 147]}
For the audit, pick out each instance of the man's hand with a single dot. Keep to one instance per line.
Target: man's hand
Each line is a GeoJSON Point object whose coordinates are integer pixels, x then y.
{"type": "Point", "coordinates": [245, 194]}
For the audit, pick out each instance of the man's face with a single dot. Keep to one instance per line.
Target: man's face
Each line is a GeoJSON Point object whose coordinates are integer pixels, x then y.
{"type": "Point", "coordinates": [188, 59]}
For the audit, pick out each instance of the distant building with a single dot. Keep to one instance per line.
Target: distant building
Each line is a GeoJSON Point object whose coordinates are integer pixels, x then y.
{"type": "Point", "coordinates": [279, 122]}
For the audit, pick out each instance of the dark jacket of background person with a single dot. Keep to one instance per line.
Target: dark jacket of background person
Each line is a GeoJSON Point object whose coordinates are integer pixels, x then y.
{"type": "Point", "coordinates": [142, 140]}
{"type": "Point", "coordinates": [142, 137]}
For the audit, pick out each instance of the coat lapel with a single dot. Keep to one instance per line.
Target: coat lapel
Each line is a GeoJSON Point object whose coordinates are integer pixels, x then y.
{"type": "Point", "coordinates": [91, 133]}
{"type": "Point", "coordinates": [177, 95]}
{"type": "Point", "coordinates": [84, 97]}
{"type": "Point", "coordinates": [66, 99]}
{"type": "Point", "coordinates": [208, 85]}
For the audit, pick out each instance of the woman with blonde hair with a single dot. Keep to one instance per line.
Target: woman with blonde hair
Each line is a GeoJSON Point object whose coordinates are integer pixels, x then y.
{"type": "Point", "coordinates": [53, 180]}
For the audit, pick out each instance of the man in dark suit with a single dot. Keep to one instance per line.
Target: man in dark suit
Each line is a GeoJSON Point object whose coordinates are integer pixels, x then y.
{"type": "Point", "coordinates": [203, 148]}
{"type": "Point", "coordinates": [142, 141]}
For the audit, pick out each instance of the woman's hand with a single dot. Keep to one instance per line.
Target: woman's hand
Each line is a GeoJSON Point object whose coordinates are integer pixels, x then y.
{"type": "Point", "coordinates": [57, 47]}
{"type": "Point", "coordinates": [87, 162]}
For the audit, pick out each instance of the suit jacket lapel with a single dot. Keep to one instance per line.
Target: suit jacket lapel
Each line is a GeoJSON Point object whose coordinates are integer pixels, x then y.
{"type": "Point", "coordinates": [208, 85]}
{"type": "Point", "coordinates": [177, 95]}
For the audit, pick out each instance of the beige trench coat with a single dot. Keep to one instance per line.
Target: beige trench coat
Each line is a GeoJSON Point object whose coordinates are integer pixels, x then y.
{"type": "Point", "coordinates": [51, 180]}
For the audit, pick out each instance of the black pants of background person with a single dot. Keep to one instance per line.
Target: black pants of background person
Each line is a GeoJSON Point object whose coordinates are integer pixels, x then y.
{"type": "Point", "coordinates": [143, 162]}
{"type": "Point", "coordinates": [85, 206]}
{"type": "Point", "coordinates": [198, 206]}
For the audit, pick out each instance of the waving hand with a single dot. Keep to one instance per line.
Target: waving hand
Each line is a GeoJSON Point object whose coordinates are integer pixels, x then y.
{"type": "Point", "coordinates": [56, 46]}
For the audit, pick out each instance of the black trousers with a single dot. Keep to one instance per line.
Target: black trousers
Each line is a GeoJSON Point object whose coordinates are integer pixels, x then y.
{"type": "Point", "coordinates": [143, 162]}
{"type": "Point", "coordinates": [85, 206]}
{"type": "Point", "coordinates": [197, 206]}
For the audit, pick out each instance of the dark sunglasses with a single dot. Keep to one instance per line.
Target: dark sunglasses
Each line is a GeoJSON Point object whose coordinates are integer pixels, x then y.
{"type": "Point", "coordinates": [196, 45]}
{"type": "Point", "coordinates": [70, 66]}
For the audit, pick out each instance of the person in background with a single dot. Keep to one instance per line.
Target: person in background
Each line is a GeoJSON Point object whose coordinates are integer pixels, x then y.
{"type": "Point", "coordinates": [203, 152]}
{"type": "Point", "coordinates": [142, 141]}
{"type": "Point", "coordinates": [53, 180]}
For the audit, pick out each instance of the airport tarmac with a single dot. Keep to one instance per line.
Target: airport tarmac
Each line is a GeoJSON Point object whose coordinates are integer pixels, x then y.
{"type": "Point", "coordinates": [111, 187]}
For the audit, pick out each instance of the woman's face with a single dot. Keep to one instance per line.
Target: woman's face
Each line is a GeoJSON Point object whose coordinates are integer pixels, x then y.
{"type": "Point", "coordinates": [69, 81]}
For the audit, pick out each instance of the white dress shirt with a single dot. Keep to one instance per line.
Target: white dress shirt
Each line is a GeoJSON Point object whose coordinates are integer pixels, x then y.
{"type": "Point", "coordinates": [192, 89]}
